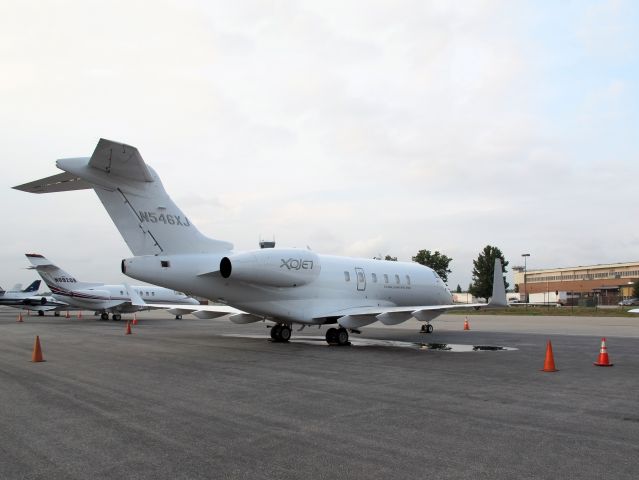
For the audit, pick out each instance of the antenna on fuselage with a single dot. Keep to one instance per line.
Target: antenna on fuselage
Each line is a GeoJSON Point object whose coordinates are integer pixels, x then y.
{"type": "Point", "coordinates": [267, 243]}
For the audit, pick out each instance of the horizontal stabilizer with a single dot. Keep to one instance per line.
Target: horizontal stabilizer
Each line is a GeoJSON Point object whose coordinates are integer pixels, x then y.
{"type": "Point", "coordinates": [61, 182]}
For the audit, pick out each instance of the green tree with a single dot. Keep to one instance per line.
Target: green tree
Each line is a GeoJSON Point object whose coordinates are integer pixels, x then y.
{"type": "Point", "coordinates": [635, 289]}
{"type": "Point", "coordinates": [483, 271]}
{"type": "Point", "coordinates": [437, 261]}
{"type": "Point", "coordinates": [458, 289]}
{"type": "Point", "coordinates": [390, 259]}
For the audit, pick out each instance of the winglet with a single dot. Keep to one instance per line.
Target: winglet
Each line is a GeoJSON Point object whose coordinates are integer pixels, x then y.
{"type": "Point", "coordinates": [498, 299]}
{"type": "Point", "coordinates": [135, 298]}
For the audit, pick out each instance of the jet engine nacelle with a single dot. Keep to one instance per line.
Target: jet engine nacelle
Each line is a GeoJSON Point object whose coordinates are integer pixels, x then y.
{"type": "Point", "coordinates": [275, 267]}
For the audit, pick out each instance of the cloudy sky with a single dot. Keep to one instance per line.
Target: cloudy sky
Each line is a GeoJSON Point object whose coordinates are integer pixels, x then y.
{"type": "Point", "coordinates": [355, 128]}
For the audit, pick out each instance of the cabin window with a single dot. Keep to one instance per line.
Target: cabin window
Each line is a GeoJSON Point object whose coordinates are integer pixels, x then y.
{"type": "Point", "coordinates": [147, 294]}
{"type": "Point", "coordinates": [374, 275]}
{"type": "Point", "coordinates": [347, 276]}
{"type": "Point", "coordinates": [153, 294]}
{"type": "Point", "coordinates": [121, 292]}
{"type": "Point", "coordinates": [397, 279]}
{"type": "Point", "coordinates": [165, 263]}
{"type": "Point", "coordinates": [385, 278]}
{"type": "Point", "coordinates": [408, 279]}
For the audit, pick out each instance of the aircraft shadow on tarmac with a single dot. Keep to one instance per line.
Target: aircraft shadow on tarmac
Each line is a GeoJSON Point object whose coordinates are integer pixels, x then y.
{"type": "Point", "coordinates": [369, 342]}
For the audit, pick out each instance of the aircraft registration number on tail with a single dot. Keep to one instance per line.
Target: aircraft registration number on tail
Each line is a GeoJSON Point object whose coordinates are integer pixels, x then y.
{"type": "Point", "coordinates": [167, 219]}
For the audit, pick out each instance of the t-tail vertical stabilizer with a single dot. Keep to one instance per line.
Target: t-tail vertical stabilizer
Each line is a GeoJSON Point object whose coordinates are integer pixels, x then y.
{"type": "Point", "coordinates": [54, 276]}
{"type": "Point", "coordinates": [133, 195]}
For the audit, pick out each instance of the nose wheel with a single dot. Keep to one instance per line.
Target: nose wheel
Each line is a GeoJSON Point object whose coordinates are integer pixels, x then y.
{"type": "Point", "coordinates": [337, 336]}
{"type": "Point", "coordinates": [281, 333]}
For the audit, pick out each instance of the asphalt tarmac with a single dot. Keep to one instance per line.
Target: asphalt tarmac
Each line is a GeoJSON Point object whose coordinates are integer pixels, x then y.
{"type": "Point", "coordinates": [210, 399]}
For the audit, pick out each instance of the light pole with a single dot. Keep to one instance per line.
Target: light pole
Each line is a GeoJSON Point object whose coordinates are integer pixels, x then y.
{"type": "Point", "coordinates": [525, 255]}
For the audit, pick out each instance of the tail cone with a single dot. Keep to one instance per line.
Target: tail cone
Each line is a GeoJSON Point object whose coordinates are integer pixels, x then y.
{"type": "Point", "coordinates": [549, 362]}
{"type": "Point", "coordinates": [603, 360]}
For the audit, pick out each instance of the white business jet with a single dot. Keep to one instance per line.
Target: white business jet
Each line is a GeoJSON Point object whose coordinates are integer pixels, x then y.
{"type": "Point", "coordinates": [105, 299]}
{"type": "Point", "coordinates": [285, 286]}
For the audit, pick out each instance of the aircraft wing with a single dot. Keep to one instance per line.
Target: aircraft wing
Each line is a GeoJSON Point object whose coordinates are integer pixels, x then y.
{"type": "Point", "coordinates": [360, 316]}
{"type": "Point", "coordinates": [200, 311]}
{"type": "Point", "coordinates": [392, 315]}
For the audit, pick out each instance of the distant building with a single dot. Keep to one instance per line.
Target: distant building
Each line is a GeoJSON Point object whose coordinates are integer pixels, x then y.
{"type": "Point", "coordinates": [604, 284]}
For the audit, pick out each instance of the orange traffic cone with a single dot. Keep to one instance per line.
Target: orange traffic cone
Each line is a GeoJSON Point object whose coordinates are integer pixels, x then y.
{"type": "Point", "coordinates": [68, 316]}
{"type": "Point", "coordinates": [79, 314]}
{"type": "Point", "coordinates": [549, 363]}
{"type": "Point", "coordinates": [135, 320]}
{"type": "Point", "coordinates": [36, 356]}
{"type": "Point", "coordinates": [466, 324]}
{"type": "Point", "coordinates": [128, 328]}
{"type": "Point", "coordinates": [19, 317]}
{"type": "Point", "coordinates": [603, 360]}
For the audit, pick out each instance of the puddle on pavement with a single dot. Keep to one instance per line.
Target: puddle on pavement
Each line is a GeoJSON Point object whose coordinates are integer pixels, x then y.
{"type": "Point", "coordinates": [370, 342]}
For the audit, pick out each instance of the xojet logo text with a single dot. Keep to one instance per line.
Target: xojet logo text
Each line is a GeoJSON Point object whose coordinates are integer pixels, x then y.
{"type": "Point", "coordinates": [297, 264]}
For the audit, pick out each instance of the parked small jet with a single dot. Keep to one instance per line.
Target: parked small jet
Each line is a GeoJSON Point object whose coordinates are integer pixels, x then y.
{"type": "Point", "coordinates": [283, 285]}
{"type": "Point", "coordinates": [103, 298]}
{"type": "Point", "coordinates": [28, 299]}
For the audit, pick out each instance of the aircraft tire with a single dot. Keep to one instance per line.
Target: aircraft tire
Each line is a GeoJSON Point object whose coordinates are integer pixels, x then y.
{"type": "Point", "coordinates": [275, 332]}
{"type": "Point", "coordinates": [40, 313]}
{"type": "Point", "coordinates": [284, 333]}
{"type": "Point", "coordinates": [116, 317]}
{"type": "Point", "coordinates": [429, 328]}
{"type": "Point", "coordinates": [342, 336]}
{"type": "Point", "coordinates": [56, 314]}
{"type": "Point", "coordinates": [178, 317]}
{"type": "Point", "coordinates": [331, 336]}
{"type": "Point", "coordinates": [104, 316]}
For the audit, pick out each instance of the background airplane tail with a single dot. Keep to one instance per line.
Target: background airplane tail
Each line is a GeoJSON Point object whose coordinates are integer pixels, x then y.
{"type": "Point", "coordinates": [54, 276]}
{"type": "Point", "coordinates": [133, 195]}
{"type": "Point", "coordinates": [33, 287]}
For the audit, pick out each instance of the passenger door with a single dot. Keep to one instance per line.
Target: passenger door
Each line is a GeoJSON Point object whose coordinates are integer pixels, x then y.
{"type": "Point", "coordinates": [361, 279]}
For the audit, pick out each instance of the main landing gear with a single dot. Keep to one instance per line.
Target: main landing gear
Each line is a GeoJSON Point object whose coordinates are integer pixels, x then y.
{"type": "Point", "coordinates": [337, 336]}
{"type": "Point", "coordinates": [280, 333]}
{"type": "Point", "coordinates": [116, 317]}
{"type": "Point", "coordinates": [427, 328]}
